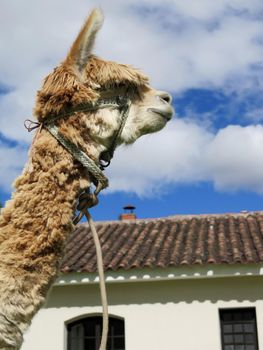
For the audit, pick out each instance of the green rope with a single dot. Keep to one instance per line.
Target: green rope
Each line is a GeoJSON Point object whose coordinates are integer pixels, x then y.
{"type": "Point", "coordinates": [79, 155]}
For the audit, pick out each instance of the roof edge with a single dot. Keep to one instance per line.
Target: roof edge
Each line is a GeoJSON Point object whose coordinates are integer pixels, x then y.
{"type": "Point", "coordinates": [176, 217]}
{"type": "Point", "coordinates": [162, 274]}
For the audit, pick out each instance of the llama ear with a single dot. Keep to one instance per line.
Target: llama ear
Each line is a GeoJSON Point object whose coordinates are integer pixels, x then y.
{"type": "Point", "coordinates": [83, 45]}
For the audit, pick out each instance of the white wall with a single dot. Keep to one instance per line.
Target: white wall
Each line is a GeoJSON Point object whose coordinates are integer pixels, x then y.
{"type": "Point", "coordinates": [164, 315]}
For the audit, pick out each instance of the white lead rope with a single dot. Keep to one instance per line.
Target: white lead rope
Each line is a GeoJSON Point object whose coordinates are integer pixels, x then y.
{"type": "Point", "coordinates": [103, 293]}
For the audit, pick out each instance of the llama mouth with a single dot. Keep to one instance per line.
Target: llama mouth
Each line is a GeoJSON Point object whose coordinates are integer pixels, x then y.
{"type": "Point", "coordinates": [165, 113]}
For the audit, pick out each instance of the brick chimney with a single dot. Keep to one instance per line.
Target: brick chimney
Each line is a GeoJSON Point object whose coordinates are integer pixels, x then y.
{"type": "Point", "coordinates": [128, 213]}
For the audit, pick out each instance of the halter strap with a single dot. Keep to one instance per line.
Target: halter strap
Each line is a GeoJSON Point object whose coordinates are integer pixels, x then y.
{"type": "Point", "coordinates": [120, 102]}
{"type": "Point", "coordinates": [124, 107]}
{"type": "Point", "coordinates": [79, 155]}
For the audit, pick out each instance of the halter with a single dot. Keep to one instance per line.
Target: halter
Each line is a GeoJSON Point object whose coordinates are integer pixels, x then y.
{"type": "Point", "coordinates": [122, 103]}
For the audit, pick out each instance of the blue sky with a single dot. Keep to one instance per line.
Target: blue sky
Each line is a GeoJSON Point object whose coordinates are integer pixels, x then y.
{"type": "Point", "coordinates": [209, 56]}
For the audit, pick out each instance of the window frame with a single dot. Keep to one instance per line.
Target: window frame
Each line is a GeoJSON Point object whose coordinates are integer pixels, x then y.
{"type": "Point", "coordinates": [239, 322]}
{"type": "Point", "coordinates": [79, 321]}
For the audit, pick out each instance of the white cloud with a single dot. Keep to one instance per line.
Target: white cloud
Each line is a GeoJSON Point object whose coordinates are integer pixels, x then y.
{"type": "Point", "coordinates": [180, 44]}
{"type": "Point", "coordinates": [171, 156]}
{"type": "Point", "coordinates": [183, 152]}
{"type": "Point", "coordinates": [234, 159]}
{"type": "Point", "coordinates": [12, 161]}
{"type": "Point", "coordinates": [186, 153]}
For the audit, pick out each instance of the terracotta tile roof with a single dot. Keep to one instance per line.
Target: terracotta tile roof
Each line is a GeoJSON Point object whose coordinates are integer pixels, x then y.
{"type": "Point", "coordinates": [171, 241]}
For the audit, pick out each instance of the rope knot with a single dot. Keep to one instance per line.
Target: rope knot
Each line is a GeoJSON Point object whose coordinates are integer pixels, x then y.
{"type": "Point", "coordinates": [31, 125]}
{"type": "Point", "coordinates": [86, 200]}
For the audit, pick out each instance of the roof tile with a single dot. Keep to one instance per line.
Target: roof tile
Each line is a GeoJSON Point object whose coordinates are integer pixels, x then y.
{"type": "Point", "coordinates": [171, 241]}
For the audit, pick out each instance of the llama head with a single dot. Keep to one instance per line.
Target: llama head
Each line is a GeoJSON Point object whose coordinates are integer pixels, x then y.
{"type": "Point", "coordinates": [83, 78]}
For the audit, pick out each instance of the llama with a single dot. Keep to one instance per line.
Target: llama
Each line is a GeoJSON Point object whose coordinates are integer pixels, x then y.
{"type": "Point", "coordinates": [37, 221]}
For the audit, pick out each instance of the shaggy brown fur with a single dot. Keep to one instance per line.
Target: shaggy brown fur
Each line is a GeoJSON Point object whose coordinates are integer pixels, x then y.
{"type": "Point", "coordinates": [62, 88]}
{"type": "Point", "coordinates": [36, 222]}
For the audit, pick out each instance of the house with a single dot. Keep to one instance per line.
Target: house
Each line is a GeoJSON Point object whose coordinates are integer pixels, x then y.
{"type": "Point", "coordinates": [181, 282]}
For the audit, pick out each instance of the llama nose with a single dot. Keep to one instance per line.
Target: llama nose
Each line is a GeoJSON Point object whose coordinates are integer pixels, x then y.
{"type": "Point", "coordinates": [165, 96]}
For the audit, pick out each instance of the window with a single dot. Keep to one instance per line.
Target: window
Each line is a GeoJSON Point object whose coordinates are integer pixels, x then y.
{"type": "Point", "coordinates": [85, 334]}
{"type": "Point", "coordinates": [238, 329]}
